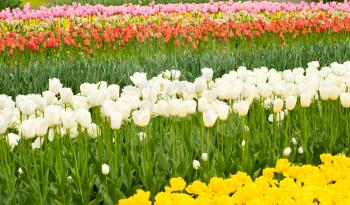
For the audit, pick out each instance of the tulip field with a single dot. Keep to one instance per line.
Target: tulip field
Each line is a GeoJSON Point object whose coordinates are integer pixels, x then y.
{"type": "Point", "coordinates": [175, 103]}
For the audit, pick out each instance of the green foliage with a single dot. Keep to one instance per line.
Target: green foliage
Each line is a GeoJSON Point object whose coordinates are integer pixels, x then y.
{"type": "Point", "coordinates": [9, 4]}
{"type": "Point", "coordinates": [33, 76]}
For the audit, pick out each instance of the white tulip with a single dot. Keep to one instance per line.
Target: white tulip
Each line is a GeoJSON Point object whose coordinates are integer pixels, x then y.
{"type": "Point", "coordinates": [242, 108]}
{"type": "Point", "coordinates": [209, 118]}
{"type": "Point", "coordinates": [51, 134]}
{"type": "Point", "coordinates": [28, 129]}
{"type": "Point", "coordinates": [142, 135]}
{"type": "Point", "coordinates": [66, 95]}
{"type": "Point", "coordinates": [200, 84]}
{"type": "Point", "coordinates": [105, 169]}
{"type": "Point", "coordinates": [291, 101]}
{"type": "Point", "coordinates": [205, 157]}
{"type": "Point", "coordinates": [79, 102]}
{"type": "Point", "coordinates": [25, 105]}
{"type": "Point", "coordinates": [294, 141]}
{"type": "Point", "coordinates": [138, 78]}
{"type": "Point", "coordinates": [222, 109]}
{"type": "Point", "coordinates": [83, 118]}
{"type": "Point", "coordinates": [324, 92]}
{"type": "Point", "coordinates": [12, 140]}
{"type": "Point", "coordinates": [96, 97]}
{"type": "Point", "coordinates": [68, 119]}
{"type": "Point", "coordinates": [305, 99]}
{"type": "Point", "coordinates": [3, 125]}
{"type": "Point", "coordinates": [287, 151]}
{"type": "Point", "coordinates": [40, 126]}
{"type": "Point", "coordinates": [300, 150]}
{"type": "Point", "coordinates": [196, 164]}
{"type": "Point", "coordinates": [314, 64]}
{"type": "Point", "coordinates": [85, 88]}
{"type": "Point", "coordinates": [93, 130]}
{"type": "Point", "coordinates": [113, 91]}
{"type": "Point", "coordinates": [207, 74]}
{"type": "Point", "coordinates": [277, 105]}
{"type": "Point", "coordinates": [38, 142]}
{"type": "Point", "coordinates": [50, 97]}
{"type": "Point", "coordinates": [52, 115]}
{"type": "Point", "coordinates": [334, 92]}
{"type": "Point", "coordinates": [55, 85]}
{"type": "Point", "coordinates": [116, 120]}
{"type": "Point", "coordinates": [141, 117]}
{"type": "Point", "coordinates": [345, 100]}
{"type": "Point", "coordinates": [123, 108]}
{"type": "Point", "coordinates": [191, 106]}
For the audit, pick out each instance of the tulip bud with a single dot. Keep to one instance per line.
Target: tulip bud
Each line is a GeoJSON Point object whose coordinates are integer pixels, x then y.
{"type": "Point", "coordinates": [205, 157]}
{"type": "Point", "coordinates": [37, 143]}
{"type": "Point", "coordinates": [141, 117]}
{"type": "Point", "coordinates": [142, 135]}
{"type": "Point", "coordinates": [51, 134]}
{"type": "Point", "coordinates": [92, 130]}
{"type": "Point", "coordinates": [209, 118]}
{"type": "Point", "coordinates": [105, 169]}
{"type": "Point", "coordinates": [287, 151]}
{"type": "Point", "coordinates": [196, 164]}
{"type": "Point", "coordinates": [294, 141]}
{"type": "Point", "coordinates": [300, 150]}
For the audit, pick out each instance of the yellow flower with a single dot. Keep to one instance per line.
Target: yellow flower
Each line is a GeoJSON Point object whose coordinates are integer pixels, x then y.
{"type": "Point", "coordinates": [176, 184]}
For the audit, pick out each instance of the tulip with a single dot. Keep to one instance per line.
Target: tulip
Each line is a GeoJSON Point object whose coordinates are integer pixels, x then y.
{"type": "Point", "coordinates": [196, 164]}
{"type": "Point", "coordinates": [12, 140]}
{"type": "Point", "coordinates": [37, 143]}
{"type": "Point", "coordinates": [300, 150]}
{"type": "Point", "coordinates": [116, 120]}
{"type": "Point", "coordinates": [222, 109]}
{"type": "Point", "coordinates": [96, 97]}
{"type": "Point", "coordinates": [51, 134]}
{"type": "Point", "coordinates": [291, 102]}
{"type": "Point", "coordinates": [41, 126]}
{"type": "Point", "coordinates": [242, 108]}
{"type": "Point", "coordinates": [138, 78]}
{"type": "Point", "coordinates": [287, 151]}
{"type": "Point", "coordinates": [305, 100]}
{"type": "Point", "coordinates": [28, 129]}
{"type": "Point", "coordinates": [50, 97]}
{"type": "Point", "coordinates": [92, 130]}
{"type": "Point", "coordinates": [52, 115]}
{"type": "Point", "coordinates": [207, 74]}
{"type": "Point", "coordinates": [113, 91]}
{"type": "Point", "coordinates": [55, 85]}
{"type": "Point", "coordinates": [83, 117]}
{"type": "Point", "coordinates": [3, 125]}
{"type": "Point", "coordinates": [68, 119]}
{"type": "Point", "coordinates": [345, 100]}
{"type": "Point", "coordinates": [209, 118]}
{"type": "Point", "coordinates": [204, 157]}
{"type": "Point", "coordinates": [294, 141]}
{"type": "Point", "coordinates": [141, 117]}
{"type": "Point", "coordinates": [277, 105]}
{"type": "Point", "coordinates": [142, 135]}
{"type": "Point", "coordinates": [105, 169]}
{"type": "Point", "coordinates": [66, 95]}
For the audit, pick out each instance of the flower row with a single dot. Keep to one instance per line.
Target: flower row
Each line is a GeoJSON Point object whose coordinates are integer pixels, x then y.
{"type": "Point", "coordinates": [284, 184]}
{"type": "Point", "coordinates": [88, 37]}
{"type": "Point", "coordinates": [165, 95]}
{"type": "Point", "coordinates": [228, 7]}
